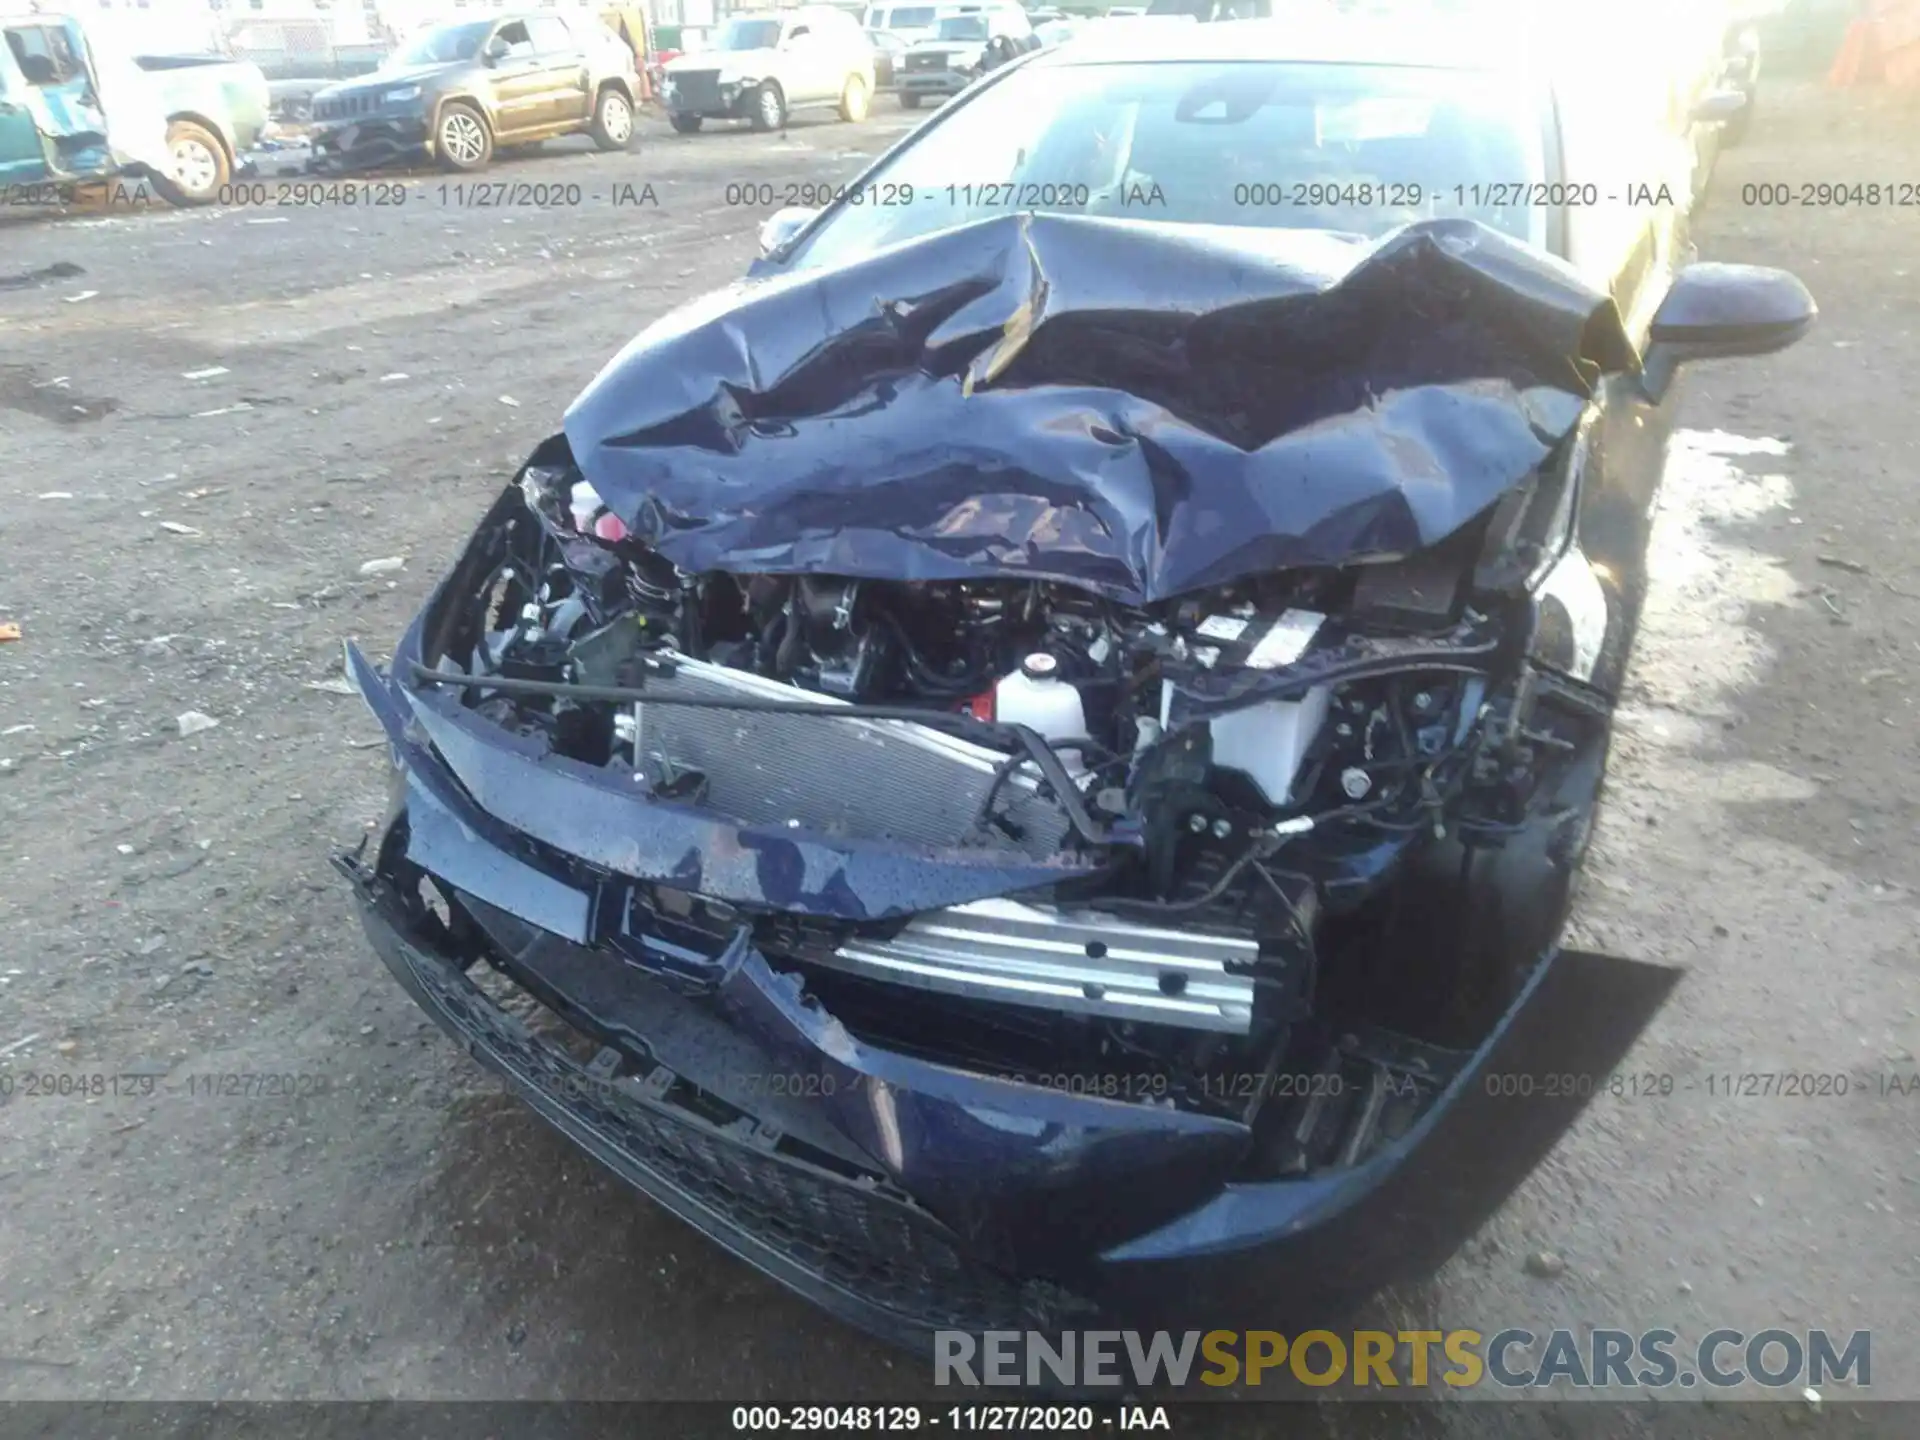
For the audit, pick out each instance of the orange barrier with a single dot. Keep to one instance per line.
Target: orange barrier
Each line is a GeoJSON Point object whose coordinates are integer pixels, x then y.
{"type": "Point", "coordinates": [1883, 48]}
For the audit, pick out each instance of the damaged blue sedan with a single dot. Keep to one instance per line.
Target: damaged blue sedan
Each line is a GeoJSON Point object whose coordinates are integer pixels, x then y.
{"type": "Point", "coordinates": [1023, 766]}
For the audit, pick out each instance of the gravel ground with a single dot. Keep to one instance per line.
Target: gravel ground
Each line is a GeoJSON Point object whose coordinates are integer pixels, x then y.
{"type": "Point", "coordinates": [176, 541]}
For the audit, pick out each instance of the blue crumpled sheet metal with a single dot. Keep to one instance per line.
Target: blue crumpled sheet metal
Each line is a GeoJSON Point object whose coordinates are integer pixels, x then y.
{"type": "Point", "coordinates": [1141, 409]}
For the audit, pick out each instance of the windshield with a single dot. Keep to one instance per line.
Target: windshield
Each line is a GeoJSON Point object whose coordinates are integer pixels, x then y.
{"type": "Point", "coordinates": [750, 35]}
{"type": "Point", "coordinates": [964, 27]}
{"type": "Point", "coordinates": [916, 17]}
{"type": "Point", "coordinates": [444, 44]}
{"type": "Point", "coordinates": [1354, 148]}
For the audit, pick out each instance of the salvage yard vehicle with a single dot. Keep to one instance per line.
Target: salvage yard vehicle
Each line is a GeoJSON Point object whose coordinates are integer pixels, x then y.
{"type": "Point", "coordinates": [764, 66]}
{"type": "Point", "coordinates": [1024, 766]}
{"type": "Point", "coordinates": [888, 50]}
{"type": "Point", "coordinates": [963, 49]}
{"type": "Point", "coordinates": [75, 109]}
{"type": "Point", "coordinates": [912, 23]}
{"type": "Point", "coordinates": [216, 109]}
{"type": "Point", "coordinates": [458, 92]}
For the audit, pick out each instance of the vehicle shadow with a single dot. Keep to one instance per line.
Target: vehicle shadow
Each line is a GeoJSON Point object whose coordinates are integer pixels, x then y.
{"type": "Point", "coordinates": [601, 1295]}
{"type": "Point", "coordinates": [608, 1296]}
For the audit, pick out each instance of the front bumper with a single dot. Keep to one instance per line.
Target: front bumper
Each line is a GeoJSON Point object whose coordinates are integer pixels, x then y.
{"type": "Point", "coordinates": [864, 1252]}
{"type": "Point", "coordinates": [368, 144]}
{"type": "Point", "coordinates": [732, 100]}
{"type": "Point", "coordinates": [905, 1196]}
{"type": "Point", "coordinates": [934, 82]}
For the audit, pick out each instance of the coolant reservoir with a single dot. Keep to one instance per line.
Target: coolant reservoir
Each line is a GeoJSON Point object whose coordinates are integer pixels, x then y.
{"type": "Point", "coordinates": [1268, 742]}
{"type": "Point", "coordinates": [591, 516]}
{"type": "Point", "coordinates": [1036, 696]}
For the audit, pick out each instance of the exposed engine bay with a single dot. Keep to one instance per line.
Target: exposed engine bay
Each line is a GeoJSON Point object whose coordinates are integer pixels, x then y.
{"type": "Point", "coordinates": [1234, 853]}
{"type": "Point", "coordinates": [998, 792]}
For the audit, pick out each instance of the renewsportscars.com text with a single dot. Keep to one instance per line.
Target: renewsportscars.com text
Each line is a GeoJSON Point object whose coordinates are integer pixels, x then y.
{"type": "Point", "coordinates": [1509, 1359]}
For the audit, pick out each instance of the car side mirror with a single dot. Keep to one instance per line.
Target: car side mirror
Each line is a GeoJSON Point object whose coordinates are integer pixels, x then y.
{"type": "Point", "coordinates": [783, 225]}
{"type": "Point", "coordinates": [495, 52]}
{"type": "Point", "coordinates": [1715, 311]}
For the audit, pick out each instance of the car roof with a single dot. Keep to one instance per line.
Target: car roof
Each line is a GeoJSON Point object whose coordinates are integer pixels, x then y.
{"type": "Point", "coordinates": [1331, 38]}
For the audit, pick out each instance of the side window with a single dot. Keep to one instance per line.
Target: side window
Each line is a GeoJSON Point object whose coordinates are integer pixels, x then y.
{"type": "Point", "coordinates": [550, 35]}
{"type": "Point", "coordinates": [43, 55]}
{"type": "Point", "coordinates": [514, 36]}
{"type": "Point", "coordinates": [799, 32]}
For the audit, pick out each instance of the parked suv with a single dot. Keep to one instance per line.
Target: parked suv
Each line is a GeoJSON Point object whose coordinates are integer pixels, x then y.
{"type": "Point", "coordinates": [964, 48]}
{"type": "Point", "coordinates": [762, 67]}
{"type": "Point", "coordinates": [458, 91]}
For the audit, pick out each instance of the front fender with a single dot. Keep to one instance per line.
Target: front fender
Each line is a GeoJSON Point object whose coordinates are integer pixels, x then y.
{"type": "Point", "coordinates": [220, 130]}
{"type": "Point", "coordinates": [481, 102]}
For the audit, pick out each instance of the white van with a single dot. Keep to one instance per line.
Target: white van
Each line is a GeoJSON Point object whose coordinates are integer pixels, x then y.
{"type": "Point", "coordinates": [922, 22]}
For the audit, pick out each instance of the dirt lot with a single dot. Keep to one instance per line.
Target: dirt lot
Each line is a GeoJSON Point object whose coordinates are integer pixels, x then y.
{"type": "Point", "coordinates": [171, 544]}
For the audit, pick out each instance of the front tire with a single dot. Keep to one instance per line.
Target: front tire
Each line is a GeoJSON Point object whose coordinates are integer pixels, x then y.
{"type": "Point", "coordinates": [612, 120]}
{"type": "Point", "coordinates": [199, 165]}
{"type": "Point", "coordinates": [461, 138]}
{"type": "Point", "coordinates": [854, 100]}
{"type": "Point", "coordinates": [685, 124]}
{"type": "Point", "coordinates": [769, 108]}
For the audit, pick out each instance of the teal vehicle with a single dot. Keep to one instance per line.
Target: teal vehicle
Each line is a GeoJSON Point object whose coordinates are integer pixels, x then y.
{"type": "Point", "coordinates": [76, 109]}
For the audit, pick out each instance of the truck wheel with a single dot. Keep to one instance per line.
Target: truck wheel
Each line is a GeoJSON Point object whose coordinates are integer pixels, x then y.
{"type": "Point", "coordinates": [612, 120]}
{"type": "Point", "coordinates": [909, 100]}
{"type": "Point", "coordinates": [461, 139]}
{"type": "Point", "coordinates": [685, 124]}
{"type": "Point", "coordinates": [853, 100]}
{"type": "Point", "coordinates": [769, 108]}
{"type": "Point", "coordinates": [199, 165]}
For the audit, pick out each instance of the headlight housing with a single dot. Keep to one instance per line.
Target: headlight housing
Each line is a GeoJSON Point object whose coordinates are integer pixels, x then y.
{"type": "Point", "coordinates": [400, 95]}
{"type": "Point", "coordinates": [1573, 615]}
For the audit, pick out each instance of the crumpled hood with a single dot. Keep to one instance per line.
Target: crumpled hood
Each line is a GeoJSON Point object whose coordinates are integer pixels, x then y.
{"type": "Point", "coordinates": [1142, 409]}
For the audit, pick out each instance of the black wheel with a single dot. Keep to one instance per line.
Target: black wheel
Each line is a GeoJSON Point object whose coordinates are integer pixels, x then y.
{"type": "Point", "coordinates": [685, 124]}
{"type": "Point", "coordinates": [198, 165]}
{"type": "Point", "coordinates": [769, 107]}
{"type": "Point", "coordinates": [612, 120]}
{"type": "Point", "coordinates": [461, 138]}
{"type": "Point", "coordinates": [909, 100]}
